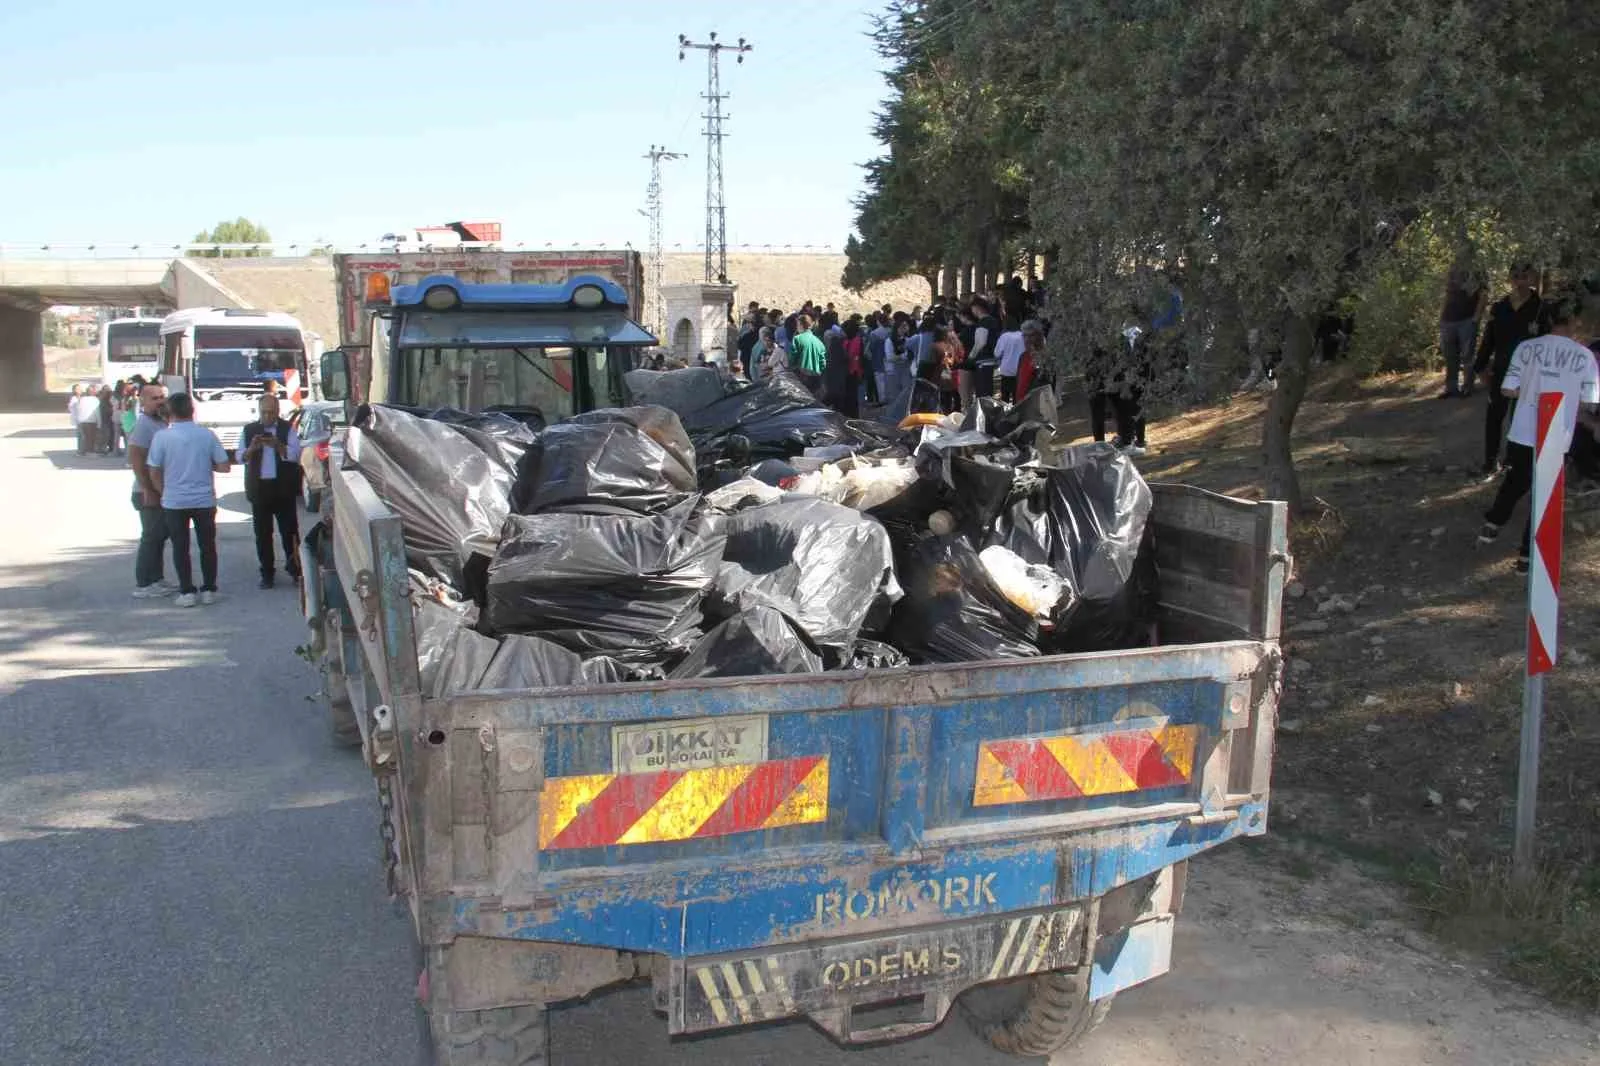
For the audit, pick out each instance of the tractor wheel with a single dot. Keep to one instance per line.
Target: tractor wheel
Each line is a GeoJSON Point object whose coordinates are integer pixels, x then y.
{"type": "Point", "coordinates": [1056, 1014]}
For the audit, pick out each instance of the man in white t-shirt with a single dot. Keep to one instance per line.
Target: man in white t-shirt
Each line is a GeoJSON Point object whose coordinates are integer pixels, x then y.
{"type": "Point", "coordinates": [86, 415]}
{"type": "Point", "coordinates": [1557, 362]}
{"type": "Point", "coordinates": [1008, 349]}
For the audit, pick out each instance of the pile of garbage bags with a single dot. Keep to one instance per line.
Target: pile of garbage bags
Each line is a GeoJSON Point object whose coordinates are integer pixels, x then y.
{"type": "Point", "coordinates": [723, 530]}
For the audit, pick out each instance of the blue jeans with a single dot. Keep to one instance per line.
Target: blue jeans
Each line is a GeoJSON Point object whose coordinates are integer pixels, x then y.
{"type": "Point", "coordinates": [1456, 342]}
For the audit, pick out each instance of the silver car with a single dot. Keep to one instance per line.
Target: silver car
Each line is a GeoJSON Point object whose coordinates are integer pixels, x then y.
{"type": "Point", "coordinates": [318, 423]}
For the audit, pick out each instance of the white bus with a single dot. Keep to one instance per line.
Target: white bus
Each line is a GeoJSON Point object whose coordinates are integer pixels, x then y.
{"type": "Point", "coordinates": [226, 357]}
{"type": "Point", "coordinates": [130, 346]}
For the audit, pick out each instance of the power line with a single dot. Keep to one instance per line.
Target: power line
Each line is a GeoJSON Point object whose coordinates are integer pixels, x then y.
{"type": "Point", "coordinates": [716, 206]}
{"type": "Point", "coordinates": [658, 305]}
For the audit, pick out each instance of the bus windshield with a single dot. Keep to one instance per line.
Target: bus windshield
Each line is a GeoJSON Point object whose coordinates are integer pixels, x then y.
{"type": "Point", "coordinates": [227, 356]}
{"type": "Point", "coordinates": [133, 342]}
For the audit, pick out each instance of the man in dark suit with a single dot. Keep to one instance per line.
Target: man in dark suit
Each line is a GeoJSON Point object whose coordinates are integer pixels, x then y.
{"type": "Point", "coordinates": [270, 453]}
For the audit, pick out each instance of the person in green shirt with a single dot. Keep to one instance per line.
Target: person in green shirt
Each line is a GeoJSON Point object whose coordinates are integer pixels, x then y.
{"type": "Point", "coordinates": [807, 354]}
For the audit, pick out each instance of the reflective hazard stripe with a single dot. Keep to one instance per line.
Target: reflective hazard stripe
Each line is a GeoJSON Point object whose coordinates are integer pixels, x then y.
{"type": "Point", "coordinates": [598, 810]}
{"type": "Point", "coordinates": [1076, 765]}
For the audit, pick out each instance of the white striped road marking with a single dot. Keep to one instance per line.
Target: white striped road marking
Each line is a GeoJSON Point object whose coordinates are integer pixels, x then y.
{"type": "Point", "coordinates": [708, 983]}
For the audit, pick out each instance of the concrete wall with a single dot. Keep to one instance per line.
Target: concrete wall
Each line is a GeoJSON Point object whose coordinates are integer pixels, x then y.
{"type": "Point", "coordinates": [191, 286]}
{"type": "Point", "coordinates": [21, 356]}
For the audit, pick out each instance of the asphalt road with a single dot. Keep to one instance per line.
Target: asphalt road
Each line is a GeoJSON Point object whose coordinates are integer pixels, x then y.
{"type": "Point", "coordinates": [189, 871]}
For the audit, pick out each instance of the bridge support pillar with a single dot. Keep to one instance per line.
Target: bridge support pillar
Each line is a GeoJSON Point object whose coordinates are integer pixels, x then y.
{"type": "Point", "coordinates": [21, 356]}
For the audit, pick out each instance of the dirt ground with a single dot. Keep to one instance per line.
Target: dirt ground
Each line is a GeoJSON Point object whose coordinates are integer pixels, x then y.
{"type": "Point", "coordinates": [1405, 646]}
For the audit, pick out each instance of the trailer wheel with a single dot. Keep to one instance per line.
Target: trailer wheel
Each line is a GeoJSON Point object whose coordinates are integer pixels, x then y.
{"type": "Point", "coordinates": [505, 1036]}
{"type": "Point", "coordinates": [1056, 1014]}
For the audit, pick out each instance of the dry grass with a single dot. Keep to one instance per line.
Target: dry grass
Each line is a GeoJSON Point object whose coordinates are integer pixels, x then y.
{"type": "Point", "coordinates": [1402, 717]}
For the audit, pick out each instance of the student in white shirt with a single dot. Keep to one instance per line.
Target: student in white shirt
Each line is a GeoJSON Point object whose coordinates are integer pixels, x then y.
{"type": "Point", "coordinates": [1556, 362]}
{"type": "Point", "coordinates": [1008, 349]}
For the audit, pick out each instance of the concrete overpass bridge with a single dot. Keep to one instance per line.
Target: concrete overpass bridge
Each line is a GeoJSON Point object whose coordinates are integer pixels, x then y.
{"type": "Point", "coordinates": [31, 283]}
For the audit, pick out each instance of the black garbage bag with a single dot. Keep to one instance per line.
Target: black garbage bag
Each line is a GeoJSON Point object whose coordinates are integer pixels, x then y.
{"type": "Point", "coordinates": [759, 642]}
{"type": "Point", "coordinates": [531, 662]}
{"type": "Point", "coordinates": [876, 655]}
{"type": "Point", "coordinates": [451, 656]}
{"type": "Point", "coordinates": [779, 417]}
{"type": "Point", "coordinates": [825, 566]}
{"type": "Point", "coordinates": [449, 481]}
{"type": "Point", "coordinates": [773, 395]}
{"type": "Point", "coordinates": [630, 459]}
{"type": "Point", "coordinates": [684, 390]}
{"type": "Point", "coordinates": [1031, 423]}
{"type": "Point", "coordinates": [953, 612]}
{"type": "Point", "coordinates": [977, 472]}
{"type": "Point", "coordinates": [625, 585]}
{"type": "Point", "coordinates": [1088, 518]}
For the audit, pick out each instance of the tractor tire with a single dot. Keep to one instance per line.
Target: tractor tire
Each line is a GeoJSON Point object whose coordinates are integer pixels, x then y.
{"type": "Point", "coordinates": [1056, 1014]}
{"type": "Point", "coordinates": [505, 1036]}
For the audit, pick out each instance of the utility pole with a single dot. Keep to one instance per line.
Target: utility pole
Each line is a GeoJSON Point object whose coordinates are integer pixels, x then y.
{"type": "Point", "coordinates": [716, 208]}
{"type": "Point", "coordinates": [652, 199]}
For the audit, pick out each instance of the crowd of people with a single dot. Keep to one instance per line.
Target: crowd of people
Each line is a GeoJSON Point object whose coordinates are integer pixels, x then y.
{"type": "Point", "coordinates": [102, 415]}
{"type": "Point", "coordinates": [946, 357]}
{"type": "Point", "coordinates": [943, 358]}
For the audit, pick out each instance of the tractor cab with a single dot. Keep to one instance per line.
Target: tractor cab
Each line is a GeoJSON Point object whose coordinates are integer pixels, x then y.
{"type": "Point", "coordinates": [561, 348]}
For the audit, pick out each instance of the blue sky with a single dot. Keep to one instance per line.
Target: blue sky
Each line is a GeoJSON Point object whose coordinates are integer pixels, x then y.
{"type": "Point", "coordinates": [345, 119]}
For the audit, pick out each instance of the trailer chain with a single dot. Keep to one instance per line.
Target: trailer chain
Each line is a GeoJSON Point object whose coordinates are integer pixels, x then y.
{"type": "Point", "coordinates": [386, 830]}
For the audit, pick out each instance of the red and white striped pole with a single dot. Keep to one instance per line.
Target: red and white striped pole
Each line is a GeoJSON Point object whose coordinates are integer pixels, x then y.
{"type": "Point", "coordinates": [1544, 604]}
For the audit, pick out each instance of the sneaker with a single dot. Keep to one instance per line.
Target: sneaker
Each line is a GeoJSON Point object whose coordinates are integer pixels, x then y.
{"type": "Point", "coordinates": [185, 599]}
{"type": "Point", "coordinates": [1135, 451]}
{"type": "Point", "coordinates": [1488, 533]}
{"type": "Point", "coordinates": [149, 592]}
{"type": "Point", "coordinates": [1522, 564]}
{"type": "Point", "coordinates": [266, 581]}
{"type": "Point", "coordinates": [207, 597]}
{"type": "Point", "coordinates": [169, 586]}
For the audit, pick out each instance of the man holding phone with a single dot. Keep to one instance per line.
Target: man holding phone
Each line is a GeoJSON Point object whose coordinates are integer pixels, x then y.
{"type": "Point", "coordinates": [270, 452]}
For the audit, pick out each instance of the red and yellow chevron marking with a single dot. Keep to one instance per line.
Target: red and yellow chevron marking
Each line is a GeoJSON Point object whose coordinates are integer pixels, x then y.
{"type": "Point", "coordinates": [598, 810]}
{"type": "Point", "coordinates": [1068, 767]}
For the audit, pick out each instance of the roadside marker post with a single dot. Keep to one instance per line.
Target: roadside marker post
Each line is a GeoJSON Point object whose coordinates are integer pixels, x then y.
{"type": "Point", "coordinates": [1544, 603]}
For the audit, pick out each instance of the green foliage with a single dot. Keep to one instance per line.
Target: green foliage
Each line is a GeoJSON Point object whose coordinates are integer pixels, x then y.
{"type": "Point", "coordinates": [240, 231]}
{"type": "Point", "coordinates": [56, 333]}
{"type": "Point", "coordinates": [1273, 158]}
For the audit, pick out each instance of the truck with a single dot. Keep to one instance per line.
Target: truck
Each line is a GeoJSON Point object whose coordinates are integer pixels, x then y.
{"type": "Point", "coordinates": [363, 282]}
{"type": "Point", "coordinates": [855, 848]}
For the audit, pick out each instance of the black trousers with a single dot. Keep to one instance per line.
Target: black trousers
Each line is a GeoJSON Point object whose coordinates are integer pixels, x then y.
{"type": "Point", "coordinates": [1099, 406]}
{"type": "Point", "coordinates": [1494, 425]}
{"type": "Point", "coordinates": [280, 505]}
{"type": "Point", "coordinates": [1008, 388]}
{"type": "Point", "coordinates": [1517, 483]}
{"type": "Point", "coordinates": [1130, 416]}
{"type": "Point", "coordinates": [204, 521]}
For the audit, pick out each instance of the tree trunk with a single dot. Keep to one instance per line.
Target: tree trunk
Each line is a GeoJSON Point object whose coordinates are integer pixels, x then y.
{"type": "Point", "coordinates": [932, 278]}
{"type": "Point", "coordinates": [1294, 374]}
{"type": "Point", "coordinates": [949, 285]}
